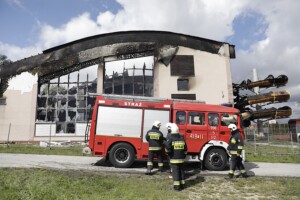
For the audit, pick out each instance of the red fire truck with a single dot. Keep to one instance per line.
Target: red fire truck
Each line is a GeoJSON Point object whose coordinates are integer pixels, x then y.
{"type": "Point", "coordinates": [120, 123]}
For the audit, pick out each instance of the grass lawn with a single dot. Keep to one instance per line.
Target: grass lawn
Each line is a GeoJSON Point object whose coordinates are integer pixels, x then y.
{"type": "Point", "coordinates": [47, 184]}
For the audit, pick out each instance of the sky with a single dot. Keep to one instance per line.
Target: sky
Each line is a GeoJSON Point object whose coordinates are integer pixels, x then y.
{"type": "Point", "coordinates": [265, 33]}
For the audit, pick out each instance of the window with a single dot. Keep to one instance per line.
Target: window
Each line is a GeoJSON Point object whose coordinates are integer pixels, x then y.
{"type": "Point", "coordinates": [196, 118]}
{"type": "Point", "coordinates": [213, 119]}
{"type": "Point", "coordinates": [184, 96]}
{"type": "Point", "coordinates": [180, 117]}
{"type": "Point", "coordinates": [182, 65]}
{"type": "Point", "coordinates": [182, 84]}
{"type": "Point", "coordinates": [65, 101]}
{"type": "Point", "coordinates": [129, 77]}
{"type": "Point", "coordinates": [227, 119]}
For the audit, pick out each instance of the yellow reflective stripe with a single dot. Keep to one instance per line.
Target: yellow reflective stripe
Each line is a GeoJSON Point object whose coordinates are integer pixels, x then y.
{"type": "Point", "coordinates": [240, 147]}
{"type": "Point", "coordinates": [176, 183]}
{"type": "Point", "coordinates": [149, 163]}
{"type": "Point", "coordinates": [233, 152]}
{"type": "Point", "coordinates": [243, 171]}
{"type": "Point", "coordinates": [160, 164]}
{"type": "Point", "coordinates": [154, 136]}
{"type": "Point", "coordinates": [176, 161]}
{"type": "Point", "coordinates": [233, 141]}
{"type": "Point", "coordinates": [154, 148]}
{"type": "Point", "coordinates": [178, 144]}
{"type": "Point", "coordinates": [182, 182]}
{"type": "Point", "coordinates": [231, 172]}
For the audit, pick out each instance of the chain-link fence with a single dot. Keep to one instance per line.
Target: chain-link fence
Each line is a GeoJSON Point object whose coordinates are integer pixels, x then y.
{"type": "Point", "coordinates": [274, 139]}
{"type": "Point", "coordinates": [272, 133]}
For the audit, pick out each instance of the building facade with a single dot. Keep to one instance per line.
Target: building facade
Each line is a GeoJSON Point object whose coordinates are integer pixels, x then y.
{"type": "Point", "coordinates": [139, 63]}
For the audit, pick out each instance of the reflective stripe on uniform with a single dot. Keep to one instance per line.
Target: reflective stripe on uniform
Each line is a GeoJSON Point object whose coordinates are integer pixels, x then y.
{"type": "Point", "coordinates": [160, 164]}
{"type": "Point", "coordinates": [182, 182]}
{"type": "Point", "coordinates": [231, 172]}
{"type": "Point", "coordinates": [149, 163]}
{"type": "Point", "coordinates": [240, 147]}
{"type": "Point", "coordinates": [233, 141]}
{"type": "Point", "coordinates": [154, 135]}
{"type": "Point", "coordinates": [154, 148]}
{"type": "Point", "coordinates": [176, 183]}
{"type": "Point", "coordinates": [243, 171]}
{"type": "Point", "coordinates": [176, 161]}
{"type": "Point", "coordinates": [233, 152]}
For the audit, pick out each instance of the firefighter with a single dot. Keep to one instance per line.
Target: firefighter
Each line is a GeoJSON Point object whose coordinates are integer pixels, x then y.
{"type": "Point", "coordinates": [168, 126]}
{"type": "Point", "coordinates": [155, 139]}
{"type": "Point", "coordinates": [177, 149]}
{"type": "Point", "coordinates": [235, 147]}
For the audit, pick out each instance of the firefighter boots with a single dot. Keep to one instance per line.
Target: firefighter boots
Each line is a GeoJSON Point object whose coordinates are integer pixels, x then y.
{"type": "Point", "coordinates": [161, 169]}
{"type": "Point", "coordinates": [244, 175]}
{"type": "Point", "coordinates": [148, 171]}
{"type": "Point", "coordinates": [230, 176]}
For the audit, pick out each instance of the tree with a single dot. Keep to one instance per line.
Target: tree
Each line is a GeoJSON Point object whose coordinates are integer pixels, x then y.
{"type": "Point", "coordinates": [3, 81]}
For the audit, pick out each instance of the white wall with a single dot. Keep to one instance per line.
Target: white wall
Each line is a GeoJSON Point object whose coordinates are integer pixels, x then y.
{"type": "Point", "coordinates": [19, 111]}
{"type": "Point", "coordinates": [212, 82]}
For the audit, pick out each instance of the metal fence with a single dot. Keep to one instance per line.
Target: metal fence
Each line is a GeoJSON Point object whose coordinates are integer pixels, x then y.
{"type": "Point", "coordinates": [271, 133]}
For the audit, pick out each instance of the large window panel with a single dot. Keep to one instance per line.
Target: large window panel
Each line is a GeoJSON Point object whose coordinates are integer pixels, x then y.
{"type": "Point", "coordinates": [64, 101]}
{"type": "Point", "coordinates": [129, 77]}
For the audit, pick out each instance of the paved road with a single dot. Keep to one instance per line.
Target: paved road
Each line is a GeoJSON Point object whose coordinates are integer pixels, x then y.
{"type": "Point", "coordinates": [98, 164]}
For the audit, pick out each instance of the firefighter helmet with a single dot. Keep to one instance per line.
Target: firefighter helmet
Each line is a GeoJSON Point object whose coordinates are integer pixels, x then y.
{"type": "Point", "coordinates": [168, 125]}
{"type": "Point", "coordinates": [157, 124]}
{"type": "Point", "coordinates": [232, 127]}
{"type": "Point", "coordinates": [174, 129]}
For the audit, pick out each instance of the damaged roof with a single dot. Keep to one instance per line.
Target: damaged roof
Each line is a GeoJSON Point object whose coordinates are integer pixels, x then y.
{"type": "Point", "coordinates": [92, 50]}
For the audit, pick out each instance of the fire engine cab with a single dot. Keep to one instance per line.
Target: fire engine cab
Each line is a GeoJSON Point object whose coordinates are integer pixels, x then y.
{"type": "Point", "coordinates": [120, 123]}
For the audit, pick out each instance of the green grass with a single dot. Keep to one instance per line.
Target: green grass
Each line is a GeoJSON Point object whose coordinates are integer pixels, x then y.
{"type": "Point", "coordinates": [271, 153]}
{"type": "Point", "coordinates": [48, 184]}
{"type": "Point", "coordinates": [36, 149]}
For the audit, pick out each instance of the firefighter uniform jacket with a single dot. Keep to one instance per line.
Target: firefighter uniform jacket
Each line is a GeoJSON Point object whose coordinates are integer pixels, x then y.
{"type": "Point", "coordinates": [176, 148]}
{"type": "Point", "coordinates": [155, 139]}
{"type": "Point", "coordinates": [235, 144]}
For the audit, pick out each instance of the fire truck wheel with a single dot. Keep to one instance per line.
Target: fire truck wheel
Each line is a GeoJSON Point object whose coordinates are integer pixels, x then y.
{"type": "Point", "coordinates": [216, 159]}
{"type": "Point", "coordinates": [122, 155]}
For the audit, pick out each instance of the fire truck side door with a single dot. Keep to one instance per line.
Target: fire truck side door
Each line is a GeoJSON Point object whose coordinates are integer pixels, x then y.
{"type": "Point", "coordinates": [196, 131]}
{"type": "Point", "coordinates": [213, 126]}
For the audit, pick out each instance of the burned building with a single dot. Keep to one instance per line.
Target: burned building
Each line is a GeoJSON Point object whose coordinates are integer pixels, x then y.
{"type": "Point", "coordinates": [139, 63]}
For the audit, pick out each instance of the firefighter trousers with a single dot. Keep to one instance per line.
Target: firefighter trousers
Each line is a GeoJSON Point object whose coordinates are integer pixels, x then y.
{"type": "Point", "coordinates": [236, 163]}
{"type": "Point", "coordinates": [151, 154]}
{"type": "Point", "coordinates": [178, 176]}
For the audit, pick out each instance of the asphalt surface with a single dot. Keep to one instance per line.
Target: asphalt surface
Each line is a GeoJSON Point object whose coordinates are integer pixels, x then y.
{"type": "Point", "coordinates": [86, 163]}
